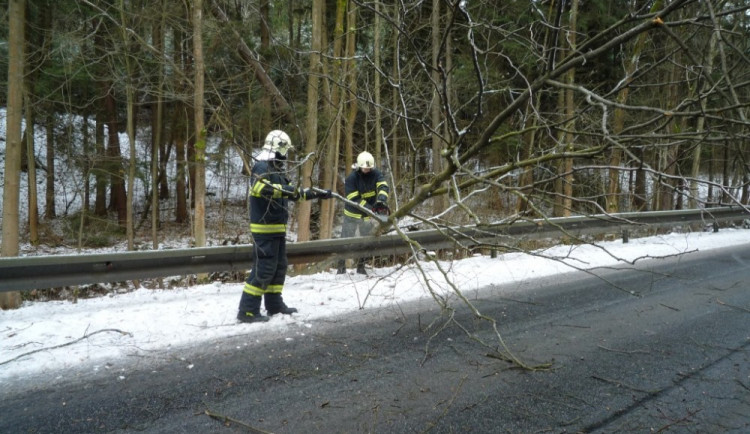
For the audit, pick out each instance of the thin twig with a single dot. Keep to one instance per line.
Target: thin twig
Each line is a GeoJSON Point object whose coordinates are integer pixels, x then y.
{"type": "Point", "coordinates": [668, 426]}
{"type": "Point", "coordinates": [85, 336]}
{"type": "Point", "coordinates": [225, 419]}
{"type": "Point", "coordinates": [623, 351]}
{"type": "Point", "coordinates": [627, 386]}
{"type": "Point", "coordinates": [447, 407]}
{"type": "Point", "coordinates": [732, 306]}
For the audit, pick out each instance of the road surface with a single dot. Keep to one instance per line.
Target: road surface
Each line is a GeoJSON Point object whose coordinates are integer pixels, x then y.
{"type": "Point", "coordinates": [664, 348]}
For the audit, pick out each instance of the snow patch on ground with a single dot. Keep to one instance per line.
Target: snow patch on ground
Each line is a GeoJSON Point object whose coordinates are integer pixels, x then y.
{"type": "Point", "coordinates": [57, 337]}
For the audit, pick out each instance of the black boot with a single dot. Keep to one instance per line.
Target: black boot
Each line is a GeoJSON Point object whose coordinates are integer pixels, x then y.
{"type": "Point", "coordinates": [249, 317]}
{"type": "Point", "coordinates": [250, 309]}
{"type": "Point", "coordinates": [275, 304]}
{"type": "Point", "coordinates": [341, 267]}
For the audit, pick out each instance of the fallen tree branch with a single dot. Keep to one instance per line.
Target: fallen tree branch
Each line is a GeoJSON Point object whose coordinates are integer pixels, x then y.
{"type": "Point", "coordinates": [226, 419]}
{"type": "Point", "coordinates": [623, 351]}
{"type": "Point", "coordinates": [447, 407]}
{"type": "Point", "coordinates": [668, 426]}
{"type": "Point", "coordinates": [86, 336]}
{"type": "Point", "coordinates": [733, 306]}
{"type": "Point", "coordinates": [624, 385]}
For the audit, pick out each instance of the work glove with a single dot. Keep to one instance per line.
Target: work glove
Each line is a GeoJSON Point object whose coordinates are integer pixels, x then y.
{"type": "Point", "coordinates": [311, 193]}
{"type": "Point", "coordinates": [321, 194]}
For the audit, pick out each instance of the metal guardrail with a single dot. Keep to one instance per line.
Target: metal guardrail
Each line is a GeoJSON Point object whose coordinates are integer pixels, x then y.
{"type": "Point", "coordinates": [36, 272]}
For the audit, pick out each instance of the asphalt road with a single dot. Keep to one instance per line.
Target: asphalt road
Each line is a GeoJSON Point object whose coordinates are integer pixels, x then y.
{"type": "Point", "coordinates": [665, 348]}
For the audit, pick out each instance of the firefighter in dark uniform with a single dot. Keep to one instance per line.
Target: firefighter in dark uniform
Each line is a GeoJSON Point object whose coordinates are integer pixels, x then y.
{"type": "Point", "coordinates": [366, 186]}
{"type": "Point", "coordinates": [270, 194]}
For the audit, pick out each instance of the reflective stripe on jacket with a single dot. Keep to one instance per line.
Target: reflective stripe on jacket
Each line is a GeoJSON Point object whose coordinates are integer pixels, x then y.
{"type": "Point", "coordinates": [270, 193]}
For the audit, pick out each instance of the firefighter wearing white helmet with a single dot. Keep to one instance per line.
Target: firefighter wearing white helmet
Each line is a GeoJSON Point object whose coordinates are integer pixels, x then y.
{"type": "Point", "coordinates": [270, 194]}
{"type": "Point", "coordinates": [365, 160]}
{"type": "Point", "coordinates": [366, 186]}
{"type": "Point", "coordinates": [278, 142]}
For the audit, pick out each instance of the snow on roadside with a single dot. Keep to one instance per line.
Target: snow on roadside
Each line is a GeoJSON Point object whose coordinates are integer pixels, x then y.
{"type": "Point", "coordinates": [107, 333]}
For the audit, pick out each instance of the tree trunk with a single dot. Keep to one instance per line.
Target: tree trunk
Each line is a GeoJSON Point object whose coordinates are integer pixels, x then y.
{"type": "Point", "coordinates": [569, 141]}
{"type": "Point", "coordinates": [560, 147]}
{"type": "Point", "coordinates": [671, 99]}
{"type": "Point", "coordinates": [349, 98]}
{"type": "Point", "coordinates": [311, 126]}
{"type": "Point", "coordinates": [725, 176]}
{"type": "Point", "coordinates": [290, 23]}
{"type": "Point", "coordinates": [86, 145]}
{"type": "Point", "coordinates": [179, 132]}
{"type": "Point", "coordinates": [328, 159]}
{"type": "Point", "coordinates": [640, 202]}
{"type": "Point", "coordinates": [439, 203]}
{"type": "Point", "coordinates": [49, 192]}
{"type": "Point", "coordinates": [701, 123]}
{"type": "Point", "coordinates": [556, 51]}
{"type": "Point", "coordinates": [130, 191]}
{"type": "Point", "coordinates": [329, 170]}
{"type": "Point", "coordinates": [395, 104]}
{"type": "Point", "coordinates": [337, 74]}
{"type": "Point", "coordinates": [13, 144]}
{"type": "Point", "coordinates": [200, 130]}
{"type": "Point", "coordinates": [129, 128]}
{"type": "Point", "coordinates": [34, 61]}
{"type": "Point", "coordinates": [118, 199]}
{"type": "Point", "coordinates": [156, 130]}
{"type": "Point", "coordinates": [87, 153]}
{"type": "Point", "coordinates": [265, 48]}
{"type": "Point", "coordinates": [613, 190]}
{"type": "Point", "coordinates": [100, 203]}
{"type": "Point", "coordinates": [526, 180]}
{"type": "Point", "coordinates": [376, 79]}
{"type": "Point", "coordinates": [265, 34]}
{"type": "Point", "coordinates": [32, 193]}
{"type": "Point", "coordinates": [745, 198]}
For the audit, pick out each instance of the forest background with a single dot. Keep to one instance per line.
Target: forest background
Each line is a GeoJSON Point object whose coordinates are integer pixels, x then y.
{"type": "Point", "coordinates": [478, 111]}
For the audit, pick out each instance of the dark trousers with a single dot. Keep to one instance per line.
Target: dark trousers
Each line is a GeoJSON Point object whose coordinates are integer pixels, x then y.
{"type": "Point", "coordinates": [268, 273]}
{"type": "Point", "coordinates": [349, 229]}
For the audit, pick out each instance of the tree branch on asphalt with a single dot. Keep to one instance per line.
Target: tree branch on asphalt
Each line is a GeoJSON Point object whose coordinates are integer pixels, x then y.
{"type": "Point", "coordinates": [226, 420]}
{"type": "Point", "coordinates": [627, 386]}
{"type": "Point", "coordinates": [743, 309]}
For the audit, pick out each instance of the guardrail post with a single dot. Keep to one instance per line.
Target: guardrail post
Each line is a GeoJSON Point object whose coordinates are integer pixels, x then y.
{"type": "Point", "coordinates": [625, 236]}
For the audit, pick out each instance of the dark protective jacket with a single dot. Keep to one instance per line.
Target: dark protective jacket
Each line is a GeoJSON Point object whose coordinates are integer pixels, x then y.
{"type": "Point", "coordinates": [270, 194]}
{"type": "Point", "coordinates": [365, 189]}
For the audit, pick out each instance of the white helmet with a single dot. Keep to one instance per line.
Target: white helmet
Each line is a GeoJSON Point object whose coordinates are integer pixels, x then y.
{"type": "Point", "coordinates": [365, 159]}
{"type": "Point", "coordinates": [278, 141]}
